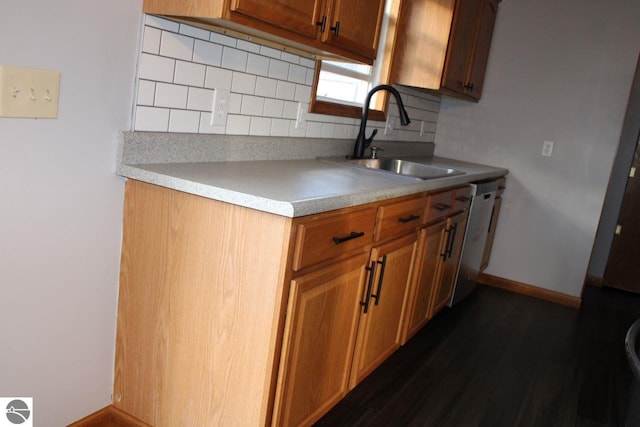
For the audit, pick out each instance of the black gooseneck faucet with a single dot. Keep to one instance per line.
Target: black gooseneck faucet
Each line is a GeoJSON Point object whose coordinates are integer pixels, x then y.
{"type": "Point", "coordinates": [361, 141]}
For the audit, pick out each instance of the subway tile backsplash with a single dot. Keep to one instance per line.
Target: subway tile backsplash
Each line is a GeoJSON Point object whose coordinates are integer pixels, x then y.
{"type": "Point", "coordinates": [182, 66]}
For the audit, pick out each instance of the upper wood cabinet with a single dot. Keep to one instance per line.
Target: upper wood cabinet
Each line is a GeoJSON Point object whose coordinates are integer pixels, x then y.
{"type": "Point", "coordinates": [344, 28]}
{"type": "Point", "coordinates": [451, 38]}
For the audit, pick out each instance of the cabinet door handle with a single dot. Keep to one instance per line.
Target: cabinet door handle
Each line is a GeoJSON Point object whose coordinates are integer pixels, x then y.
{"type": "Point", "coordinates": [351, 236]}
{"type": "Point", "coordinates": [409, 218]}
{"type": "Point", "coordinates": [446, 244]}
{"type": "Point", "coordinates": [335, 29]}
{"type": "Point", "coordinates": [469, 86]}
{"type": "Point", "coordinates": [322, 24]}
{"type": "Point", "coordinates": [376, 296]}
{"type": "Point", "coordinates": [501, 187]}
{"type": "Point", "coordinates": [367, 296]}
{"type": "Point", "coordinates": [463, 199]}
{"type": "Point", "coordinates": [441, 207]}
{"type": "Point", "coordinates": [452, 241]}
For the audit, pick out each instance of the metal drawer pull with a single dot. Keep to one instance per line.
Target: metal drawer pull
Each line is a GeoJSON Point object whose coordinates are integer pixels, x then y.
{"type": "Point", "coordinates": [367, 296]}
{"type": "Point", "coordinates": [463, 199]}
{"type": "Point", "coordinates": [409, 218]}
{"type": "Point", "coordinates": [446, 245]}
{"type": "Point", "coordinates": [336, 29]}
{"type": "Point", "coordinates": [353, 235]}
{"type": "Point", "coordinates": [322, 24]}
{"type": "Point", "coordinates": [454, 227]}
{"type": "Point", "coordinates": [442, 207]}
{"type": "Point", "coordinates": [376, 296]}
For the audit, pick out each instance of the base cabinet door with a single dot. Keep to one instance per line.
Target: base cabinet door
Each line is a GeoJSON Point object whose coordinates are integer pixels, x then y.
{"type": "Point", "coordinates": [379, 332]}
{"type": "Point", "coordinates": [320, 331]}
{"type": "Point", "coordinates": [428, 268]}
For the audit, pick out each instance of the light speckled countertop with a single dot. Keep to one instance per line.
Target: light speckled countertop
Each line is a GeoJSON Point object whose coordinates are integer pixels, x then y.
{"type": "Point", "coordinates": [298, 187]}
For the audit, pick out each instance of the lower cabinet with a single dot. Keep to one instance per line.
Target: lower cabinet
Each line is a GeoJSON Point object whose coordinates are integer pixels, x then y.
{"type": "Point", "coordinates": [379, 331]}
{"type": "Point", "coordinates": [324, 309]}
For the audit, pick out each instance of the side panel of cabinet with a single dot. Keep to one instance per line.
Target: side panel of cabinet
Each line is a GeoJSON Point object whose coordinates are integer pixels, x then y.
{"type": "Point", "coordinates": [189, 8]}
{"type": "Point", "coordinates": [355, 25]}
{"type": "Point", "coordinates": [379, 333]}
{"type": "Point", "coordinates": [320, 331]}
{"type": "Point", "coordinates": [456, 226]}
{"type": "Point", "coordinates": [298, 16]}
{"type": "Point", "coordinates": [428, 269]}
{"type": "Point", "coordinates": [198, 324]}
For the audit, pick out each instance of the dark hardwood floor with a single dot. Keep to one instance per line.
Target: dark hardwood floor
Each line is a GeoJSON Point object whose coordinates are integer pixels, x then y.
{"type": "Point", "coordinates": [502, 359]}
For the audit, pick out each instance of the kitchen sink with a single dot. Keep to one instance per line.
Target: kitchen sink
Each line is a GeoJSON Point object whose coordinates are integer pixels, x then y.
{"type": "Point", "coordinates": [403, 167]}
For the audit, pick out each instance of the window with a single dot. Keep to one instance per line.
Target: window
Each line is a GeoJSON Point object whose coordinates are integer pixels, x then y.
{"type": "Point", "coordinates": [340, 88]}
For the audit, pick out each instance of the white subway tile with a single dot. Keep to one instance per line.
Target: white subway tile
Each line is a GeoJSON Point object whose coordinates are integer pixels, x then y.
{"type": "Point", "coordinates": [200, 99]}
{"type": "Point", "coordinates": [252, 105]}
{"type": "Point", "coordinates": [310, 76]}
{"type": "Point", "coordinates": [286, 91]}
{"type": "Point", "coordinates": [353, 132]}
{"type": "Point", "coordinates": [207, 53]}
{"type": "Point", "coordinates": [190, 74]}
{"type": "Point", "coordinates": [234, 59]}
{"type": "Point", "coordinates": [248, 46]}
{"type": "Point", "coordinates": [303, 93]}
{"type": "Point", "coordinates": [290, 110]}
{"type": "Point", "coordinates": [297, 74]}
{"type": "Point", "coordinates": [184, 121]}
{"type": "Point", "coordinates": [222, 39]}
{"type": "Point", "coordinates": [195, 32]}
{"type": "Point", "coordinates": [151, 40]}
{"type": "Point", "coordinates": [270, 52]}
{"type": "Point", "coordinates": [278, 69]}
{"type": "Point", "coordinates": [152, 119]}
{"type": "Point", "coordinates": [168, 95]}
{"type": "Point", "coordinates": [279, 127]}
{"type": "Point", "coordinates": [328, 130]}
{"type": "Point", "coordinates": [218, 78]}
{"type": "Point", "coordinates": [206, 127]}
{"type": "Point", "coordinates": [164, 24]}
{"type": "Point", "coordinates": [266, 87]}
{"type": "Point", "coordinates": [156, 68]}
{"type": "Point", "coordinates": [273, 108]}
{"type": "Point", "coordinates": [243, 83]}
{"type": "Point", "coordinates": [314, 130]}
{"type": "Point", "coordinates": [293, 132]}
{"type": "Point", "coordinates": [238, 125]}
{"type": "Point", "coordinates": [146, 92]}
{"type": "Point", "coordinates": [176, 46]}
{"type": "Point", "coordinates": [306, 62]}
{"type": "Point", "coordinates": [260, 126]}
{"type": "Point", "coordinates": [235, 103]}
{"type": "Point", "coordinates": [257, 64]}
{"type": "Point", "coordinates": [286, 56]}
{"type": "Point", "coordinates": [342, 131]}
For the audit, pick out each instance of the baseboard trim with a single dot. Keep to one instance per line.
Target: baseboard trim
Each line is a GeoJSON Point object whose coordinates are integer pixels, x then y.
{"type": "Point", "coordinates": [109, 416]}
{"type": "Point", "coordinates": [593, 281]}
{"type": "Point", "coordinates": [530, 290]}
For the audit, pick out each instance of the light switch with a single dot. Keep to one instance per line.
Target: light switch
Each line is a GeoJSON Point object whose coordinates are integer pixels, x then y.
{"type": "Point", "coordinates": [29, 92]}
{"type": "Point", "coordinates": [547, 148]}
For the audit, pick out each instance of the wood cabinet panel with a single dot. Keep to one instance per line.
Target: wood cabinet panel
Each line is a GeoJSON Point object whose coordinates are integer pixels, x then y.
{"type": "Point", "coordinates": [455, 229]}
{"type": "Point", "coordinates": [461, 199]}
{"type": "Point", "coordinates": [438, 206]}
{"type": "Point", "coordinates": [320, 333]}
{"type": "Point", "coordinates": [399, 218]}
{"type": "Point", "coordinates": [299, 16]}
{"type": "Point", "coordinates": [355, 25]}
{"type": "Point", "coordinates": [460, 46]}
{"type": "Point", "coordinates": [379, 332]}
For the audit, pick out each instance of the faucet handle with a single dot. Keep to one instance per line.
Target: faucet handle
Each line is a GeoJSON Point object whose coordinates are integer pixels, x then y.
{"type": "Point", "coordinates": [374, 151]}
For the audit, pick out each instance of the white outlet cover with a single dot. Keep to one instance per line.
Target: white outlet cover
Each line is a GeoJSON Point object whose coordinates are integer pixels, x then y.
{"type": "Point", "coordinates": [547, 148]}
{"type": "Point", "coordinates": [301, 118]}
{"type": "Point", "coordinates": [220, 107]}
{"type": "Point", "coordinates": [390, 125]}
{"type": "Point", "coordinates": [29, 92]}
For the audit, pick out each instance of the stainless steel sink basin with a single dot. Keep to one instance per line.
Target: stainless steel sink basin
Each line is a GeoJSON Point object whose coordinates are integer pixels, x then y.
{"type": "Point", "coordinates": [404, 167]}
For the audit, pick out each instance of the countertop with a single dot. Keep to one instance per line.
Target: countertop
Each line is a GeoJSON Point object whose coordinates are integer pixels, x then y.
{"type": "Point", "coordinates": [298, 187]}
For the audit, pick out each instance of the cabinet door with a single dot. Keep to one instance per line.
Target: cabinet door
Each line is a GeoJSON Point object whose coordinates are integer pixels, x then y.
{"type": "Point", "coordinates": [320, 331]}
{"type": "Point", "coordinates": [428, 268]}
{"type": "Point", "coordinates": [354, 25]}
{"type": "Point", "coordinates": [460, 48]}
{"type": "Point", "coordinates": [379, 332]}
{"type": "Point", "coordinates": [479, 59]}
{"type": "Point", "coordinates": [299, 16]}
{"type": "Point", "coordinates": [452, 250]}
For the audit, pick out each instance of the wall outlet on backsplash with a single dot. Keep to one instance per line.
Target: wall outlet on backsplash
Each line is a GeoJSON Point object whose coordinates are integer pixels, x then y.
{"type": "Point", "coordinates": [220, 107]}
{"type": "Point", "coordinates": [301, 118]}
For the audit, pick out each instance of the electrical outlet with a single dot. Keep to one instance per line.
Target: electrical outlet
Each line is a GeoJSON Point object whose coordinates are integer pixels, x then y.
{"type": "Point", "coordinates": [547, 148]}
{"type": "Point", "coordinates": [29, 92]}
{"type": "Point", "coordinates": [390, 125]}
{"type": "Point", "coordinates": [301, 118]}
{"type": "Point", "coordinates": [422, 128]}
{"type": "Point", "coordinates": [220, 108]}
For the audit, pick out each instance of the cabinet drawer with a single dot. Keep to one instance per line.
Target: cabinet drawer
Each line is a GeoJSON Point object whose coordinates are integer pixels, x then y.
{"type": "Point", "coordinates": [438, 206]}
{"type": "Point", "coordinates": [399, 218]}
{"type": "Point", "coordinates": [323, 238]}
{"type": "Point", "coordinates": [462, 199]}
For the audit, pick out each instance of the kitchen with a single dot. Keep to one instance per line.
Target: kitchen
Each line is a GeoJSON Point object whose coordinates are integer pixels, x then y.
{"type": "Point", "coordinates": [61, 255]}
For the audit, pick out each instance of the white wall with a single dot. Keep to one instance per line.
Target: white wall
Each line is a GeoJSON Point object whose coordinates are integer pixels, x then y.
{"type": "Point", "coordinates": [559, 70]}
{"type": "Point", "coordinates": [61, 204]}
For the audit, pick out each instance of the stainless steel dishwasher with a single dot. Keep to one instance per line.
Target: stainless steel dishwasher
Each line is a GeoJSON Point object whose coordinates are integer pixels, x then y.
{"type": "Point", "coordinates": [475, 238]}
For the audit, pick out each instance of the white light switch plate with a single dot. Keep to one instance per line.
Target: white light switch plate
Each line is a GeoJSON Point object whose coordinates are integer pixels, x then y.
{"type": "Point", "coordinates": [29, 92]}
{"type": "Point", "coordinates": [547, 148]}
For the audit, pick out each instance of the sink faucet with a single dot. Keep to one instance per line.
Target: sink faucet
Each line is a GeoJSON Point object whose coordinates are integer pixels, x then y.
{"type": "Point", "coordinates": [361, 141]}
